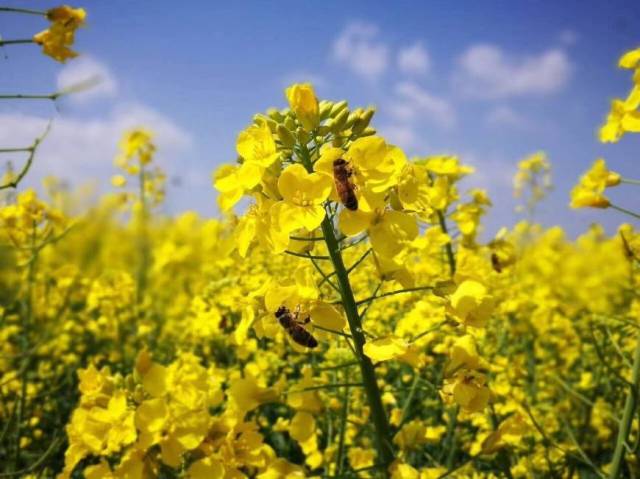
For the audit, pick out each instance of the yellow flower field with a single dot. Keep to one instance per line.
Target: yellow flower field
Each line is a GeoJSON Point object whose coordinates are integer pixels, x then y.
{"type": "Point", "coordinates": [342, 318]}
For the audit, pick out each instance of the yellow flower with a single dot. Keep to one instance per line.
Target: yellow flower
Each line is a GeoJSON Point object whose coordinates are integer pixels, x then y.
{"type": "Point", "coordinates": [472, 304]}
{"type": "Point", "coordinates": [630, 59]}
{"type": "Point", "coordinates": [385, 349]}
{"type": "Point", "coordinates": [463, 354]}
{"type": "Point", "coordinates": [414, 189]}
{"type": "Point", "coordinates": [57, 39]}
{"type": "Point", "coordinates": [468, 390]}
{"type": "Point", "coordinates": [303, 102]}
{"type": "Point", "coordinates": [246, 394]}
{"type": "Point", "coordinates": [118, 181]}
{"type": "Point", "coordinates": [118, 421]}
{"type": "Point", "coordinates": [229, 183]}
{"type": "Point", "coordinates": [256, 146]}
{"type": "Point", "coordinates": [446, 165]}
{"type": "Point", "coordinates": [303, 196]}
{"type": "Point", "coordinates": [589, 190]}
{"type": "Point", "coordinates": [207, 468]}
{"type": "Point", "coordinates": [389, 231]}
{"type": "Point", "coordinates": [376, 165]}
{"type": "Point", "coordinates": [136, 144]}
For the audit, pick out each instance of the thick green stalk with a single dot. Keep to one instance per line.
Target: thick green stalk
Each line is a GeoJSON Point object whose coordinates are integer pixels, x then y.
{"type": "Point", "coordinates": [627, 416]}
{"type": "Point", "coordinates": [378, 414]}
{"type": "Point", "coordinates": [448, 248]}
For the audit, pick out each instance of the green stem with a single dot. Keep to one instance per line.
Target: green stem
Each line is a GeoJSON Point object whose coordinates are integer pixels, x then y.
{"type": "Point", "coordinates": [625, 211]}
{"type": "Point", "coordinates": [27, 166]}
{"type": "Point", "coordinates": [20, 96]}
{"type": "Point", "coordinates": [142, 237]}
{"type": "Point", "coordinates": [344, 414]}
{"type": "Point", "coordinates": [21, 41]}
{"type": "Point", "coordinates": [630, 181]}
{"type": "Point", "coordinates": [300, 255]}
{"type": "Point", "coordinates": [627, 416]}
{"type": "Point", "coordinates": [16, 150]}
{"type": "Point", "coordinates": [448, 248]}
{"type": "Point", "coordinates": [23, 10]}
{"type": "Point", "coordinates": [378, 414]}
{"type": "Point", "coordinates": [393, 293]}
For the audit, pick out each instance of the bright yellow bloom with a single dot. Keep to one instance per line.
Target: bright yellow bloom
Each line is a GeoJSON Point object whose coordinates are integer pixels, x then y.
{"type": "Point", "coordinates": [384, 349]}
{"type": "Point", "coordinates": [630, 59]}
{"type": "Point", "coordinates": [256, 145]}
{"type": "Point", "coordinates": [136, 150]}
{"type": "Point", "coordinates": [468, 390]}
{"type": "Point", "coordinates": [57, 39]}
{"type": "Point", "coordinates": [389, 231]}
{"type": "Point", "coordinates": [303, 102]}
{"type": "Point", "coordinates": [303, 195]}
{"type": "Point", "coordinates": [589, 192]}
{"type": "Point", "coordinates": [472, 304]}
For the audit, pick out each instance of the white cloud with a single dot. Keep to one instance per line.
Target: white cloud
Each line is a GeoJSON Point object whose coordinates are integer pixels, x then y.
{"type": "Point", "coordinates": [80, 149]}
{"type": "Point", "coordinates": [506, 116]}
{"type": "Point", "coordinates": [100, 82]}
{"type": "Point", "coordinates": [415, 102]}
{"type": "Point", "coordinates": [492, 172]}
{"type": "Point", "coordinates": [358, 49]}
{"type": "Point", "coordinates": [414, 60]}
{"type": "Point", "coordinates": [403, 136]}
{"type": "Point", "coordinates": [486, 71]}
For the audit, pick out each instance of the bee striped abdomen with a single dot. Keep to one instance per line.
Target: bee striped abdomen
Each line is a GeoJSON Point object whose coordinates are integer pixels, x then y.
{"type": "Point", "coordinates": [289, 321]}
{"type": "Point", "coordinates": [344, 186]}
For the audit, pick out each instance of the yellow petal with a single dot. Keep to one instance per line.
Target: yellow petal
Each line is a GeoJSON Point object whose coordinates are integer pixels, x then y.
{"type": "Point", "coordinates": [385, 349]}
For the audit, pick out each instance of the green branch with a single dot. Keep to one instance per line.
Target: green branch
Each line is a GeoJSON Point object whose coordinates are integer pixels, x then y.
{"type": "Point", "coordinates": [392, 293]}
{"type": "Point", "coordinates": [25, 169]}
{"type": "Point", "coordinates": [627, 415]}
{"type": "Point", "coordinates": [23, 10]}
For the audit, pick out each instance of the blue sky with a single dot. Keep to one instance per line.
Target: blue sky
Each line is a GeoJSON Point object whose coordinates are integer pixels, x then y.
{"type": "Point", "coordinates": [491, 81]}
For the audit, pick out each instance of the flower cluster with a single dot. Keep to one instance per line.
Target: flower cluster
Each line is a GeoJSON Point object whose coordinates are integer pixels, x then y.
{"type": "Point", "coordinates": [624, 116]}
{"type": "Point", "coordinates": [350, 321]}
{"type": "Point", "coordinates": [59, 37]}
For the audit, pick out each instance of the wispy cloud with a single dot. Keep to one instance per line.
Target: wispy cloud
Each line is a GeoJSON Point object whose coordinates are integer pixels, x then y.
{"type": "Point", "coordinates": [79, 149]}
{"type": "Point", "coordinates": [486, 71]}
{"type": "Point", "coordinates": [504, 115]}
{"type": "Point", "coordinates": [414, 60]}
{"type": "Point", "coordinates": [359, 49]}
{"type": "Point", "coordinates": [414, 102]}
{"type": "Point", "coordinates": [88, 69]}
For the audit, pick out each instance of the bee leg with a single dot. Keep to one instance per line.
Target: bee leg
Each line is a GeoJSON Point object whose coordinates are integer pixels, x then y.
{"type": "Point", "coordinates": [306, 320]}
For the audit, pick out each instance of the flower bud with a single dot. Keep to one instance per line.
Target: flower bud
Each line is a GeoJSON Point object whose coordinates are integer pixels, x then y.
{"type": "Point", "coordinates": [303, 136]}
{"type": "Point", "coordinates": [275, 115]}
{"type": "Point", "coordinates": [325, 109]}
{"type": "Point", "coordinates": [303, 102]}
{"type": "Point", "coordinates": [340, 120]}
{"type": "Point", "coordinates": [338, 108]}
{"type": "Point", "coordinates": [286, 137]}
{"type": "Point", "coordinates": [290, 123]}
{"type": "Point", "coordinates": [353, 116]}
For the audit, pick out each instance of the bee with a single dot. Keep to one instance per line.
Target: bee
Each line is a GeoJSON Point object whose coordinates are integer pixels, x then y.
{"type": "Point", "coordinates": [295, 327]}
{"type": "Point", "coordinates": [346, 189]}
{"type": "Point", "coordinates": [495, 262]}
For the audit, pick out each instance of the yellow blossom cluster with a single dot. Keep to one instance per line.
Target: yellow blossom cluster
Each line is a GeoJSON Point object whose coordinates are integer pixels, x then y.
{"type": "Point", "coordinates": [350, 319]}
{"type": "Point", "coordinates": [59, 37]}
